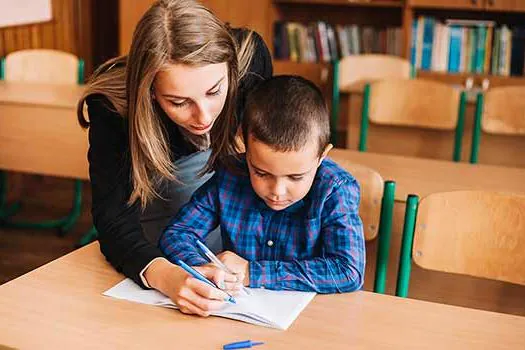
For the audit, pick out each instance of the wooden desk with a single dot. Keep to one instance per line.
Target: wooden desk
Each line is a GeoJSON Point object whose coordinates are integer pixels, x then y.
{"type": "Point", "coordinates": [39, 132]}
{"type": "Point", "coordinates": [60, 305]}
{"type": "Point", "coordinates": [424, 176]}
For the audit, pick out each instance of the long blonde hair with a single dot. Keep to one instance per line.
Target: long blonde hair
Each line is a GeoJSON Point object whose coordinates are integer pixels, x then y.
{"type": "Point", "coordinates": [171, 31]}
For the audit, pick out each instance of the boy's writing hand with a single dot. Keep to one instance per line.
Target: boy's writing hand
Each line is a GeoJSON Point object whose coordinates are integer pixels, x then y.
{"type": "Point", "coordinates": [238, 265]}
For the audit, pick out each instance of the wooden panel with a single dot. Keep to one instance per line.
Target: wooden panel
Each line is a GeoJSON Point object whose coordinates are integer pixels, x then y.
{"type": "Point", "coordinates": [473, 233]}
{"type": "Point", "coordinates": [368, 3]}
{"type": "Point", "coordinates": [62, 33]}
{"type": "Point", "coordinates": [368, 68]}
{"type": "Point", "coordinates": [39, 132]}
{"type": "Point", "coordinates": [504, 111]}
{"type": "Point", "coordinates": [505, 5]}
{"type": "Point", "coordinates": [101, 320]}
{"type": "Point", "coordinates": [130, 12]}
{"type": "Point", "coordinates": [448, 4]}
{"type": "Point", "coordinates": [413, 102]}
{"type": "Point", "coordinates": [372, 185]}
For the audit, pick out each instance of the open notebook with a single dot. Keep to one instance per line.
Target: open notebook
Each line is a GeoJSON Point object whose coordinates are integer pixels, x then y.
{"type": "Point", "coordinates": [276, 309]}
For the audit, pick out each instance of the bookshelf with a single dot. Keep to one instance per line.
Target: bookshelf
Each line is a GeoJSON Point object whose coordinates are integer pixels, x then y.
{"type": "Point", "coordinates": [401, 13]}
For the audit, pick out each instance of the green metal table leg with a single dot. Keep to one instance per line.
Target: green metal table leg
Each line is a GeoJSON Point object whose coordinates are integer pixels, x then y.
{"type": "Point", "coordinates": [6, 210]}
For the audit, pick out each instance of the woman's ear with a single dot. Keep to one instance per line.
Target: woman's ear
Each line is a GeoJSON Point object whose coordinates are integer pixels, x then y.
{"type": "Point", "coordinates": [325, 153]}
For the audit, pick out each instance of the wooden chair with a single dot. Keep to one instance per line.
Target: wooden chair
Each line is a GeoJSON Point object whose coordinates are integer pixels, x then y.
{"type": "Point", "coordinates": [475, 233]}
{"type": "Point", "coordinates": [51, 67]}
{"type": "Point", "coordinates": [499, 111]}
{"type": "Point", "coordinates": [351, 73]}
{"type": "Point", "coordinates": [376, 211]}
{"type": "Point", "coordinates": [414, 102]}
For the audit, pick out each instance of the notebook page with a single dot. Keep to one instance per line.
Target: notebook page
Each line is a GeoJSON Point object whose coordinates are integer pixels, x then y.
{"type": "Point", "coordinates": [276, 309]}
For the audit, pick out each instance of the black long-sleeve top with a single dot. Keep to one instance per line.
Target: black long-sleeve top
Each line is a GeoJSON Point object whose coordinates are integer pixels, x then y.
{"type": "Point", "coordinates": [121, 237]}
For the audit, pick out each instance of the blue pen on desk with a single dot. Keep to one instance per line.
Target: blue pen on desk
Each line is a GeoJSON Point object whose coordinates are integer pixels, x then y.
{"type": "Point", "coordinates": [241, 345]}
{"type": "Point", "coordinates": [213, 258]}
{"type": "Point", "coordinates": [196, 274]}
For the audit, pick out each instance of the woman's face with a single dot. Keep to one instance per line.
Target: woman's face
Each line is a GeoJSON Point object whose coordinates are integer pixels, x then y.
{"type": "Point", "coordinates": [193, 97]}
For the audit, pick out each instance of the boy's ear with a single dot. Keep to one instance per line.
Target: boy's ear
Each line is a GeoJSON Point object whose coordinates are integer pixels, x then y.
{"type": "Point", "coordinates": [325, 153]}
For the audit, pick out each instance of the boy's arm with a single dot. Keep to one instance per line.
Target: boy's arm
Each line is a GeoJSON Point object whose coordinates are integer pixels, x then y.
{"type": "Point", "coordinates": [340, 268]}
{"type": "Point", "coordinates": [194, 220]}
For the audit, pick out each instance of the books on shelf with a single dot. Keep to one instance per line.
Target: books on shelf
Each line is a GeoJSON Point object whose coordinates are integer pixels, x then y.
{"type": "Point", "coordinates": [323, 42]}
{"type": "Point", "coordinates": [467, 46]}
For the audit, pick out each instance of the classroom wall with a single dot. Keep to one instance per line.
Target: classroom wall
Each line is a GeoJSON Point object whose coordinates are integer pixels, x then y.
{"type": "Point", "coordinates": [239, 13]}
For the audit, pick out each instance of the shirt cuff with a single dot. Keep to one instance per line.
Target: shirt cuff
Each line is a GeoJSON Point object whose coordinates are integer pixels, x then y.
{"type": "Point", "coordinates": [264, 274]}
{"type": "Point", "coordinates": [141, 274]}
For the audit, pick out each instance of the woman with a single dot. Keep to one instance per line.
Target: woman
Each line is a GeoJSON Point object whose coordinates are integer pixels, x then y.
{"type": "Point", "coordinates": [159, 119]}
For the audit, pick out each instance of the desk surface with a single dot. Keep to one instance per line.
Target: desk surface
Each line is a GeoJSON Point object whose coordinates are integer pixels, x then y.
{"type": "Point", "coordinates": [55, 95]}
{"type": "Point", "coordinates": [60, 306]}
{"type": "Point", "coordinates": [425, 176]}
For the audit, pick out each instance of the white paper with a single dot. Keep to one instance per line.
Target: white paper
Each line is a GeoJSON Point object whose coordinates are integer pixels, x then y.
{"type": "Point", "coordinates": [263, 307]}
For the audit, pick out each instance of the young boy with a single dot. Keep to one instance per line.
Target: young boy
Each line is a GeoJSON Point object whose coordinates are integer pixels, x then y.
{"type": "Point", "coordinates": [288, 216]}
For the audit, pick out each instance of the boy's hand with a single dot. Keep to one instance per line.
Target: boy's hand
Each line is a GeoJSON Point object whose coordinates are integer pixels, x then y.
{"type": "Point", "coordinates": [237, 264]}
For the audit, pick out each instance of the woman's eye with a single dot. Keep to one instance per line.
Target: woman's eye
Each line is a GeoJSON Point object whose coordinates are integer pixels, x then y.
{"type": "Point", "coordinates": [215, 93]}
{"type": "Point", "coordinates": [179, 104]}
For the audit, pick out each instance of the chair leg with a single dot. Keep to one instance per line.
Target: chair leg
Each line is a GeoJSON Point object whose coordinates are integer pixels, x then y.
{"type": "Point", "coordinates": [405, 255]}
{"type": "Point", "coordinates": [88, 237]}
{"type": "Point", "coordinates": [6, 210]}
{"type": "Point", "coordinates": [384, 237]}
{"type": "Point", "coordinates": [63, 224]}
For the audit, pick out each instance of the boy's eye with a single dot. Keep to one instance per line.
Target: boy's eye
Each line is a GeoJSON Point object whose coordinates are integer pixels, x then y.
{"type": "Point", "coordinates": [296, 178]}
{"type": "Point", "coordinates": [259, 174]}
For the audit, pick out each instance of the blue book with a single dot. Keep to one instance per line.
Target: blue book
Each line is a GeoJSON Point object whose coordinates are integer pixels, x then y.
{"type": "Point", "coordinates": [428, 40]}
{"type": "Point", "coordinates": [413, 45]}
{"type": "Point", "coordinates": [454, 56]}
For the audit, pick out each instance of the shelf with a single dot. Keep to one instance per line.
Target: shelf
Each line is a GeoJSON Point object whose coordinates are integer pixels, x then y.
{"type": "Point", "coordinates": [459, 78]}
{"type": "Point", "coordinates": [363, 3]}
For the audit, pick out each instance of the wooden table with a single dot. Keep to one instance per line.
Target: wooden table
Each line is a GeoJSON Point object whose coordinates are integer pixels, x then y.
{"type": "Point", "coordinates": [60, 305]}
{"type": "Point", "coordinates": [425, 176]}
{"type": "Point", "coordinates": [39, 132]}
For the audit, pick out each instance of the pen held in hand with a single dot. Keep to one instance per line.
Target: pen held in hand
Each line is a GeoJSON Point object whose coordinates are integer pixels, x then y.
{"type": "Point", "coordinates": [196, 274]}
{"type": "Point", "coordinates": [213, 258]}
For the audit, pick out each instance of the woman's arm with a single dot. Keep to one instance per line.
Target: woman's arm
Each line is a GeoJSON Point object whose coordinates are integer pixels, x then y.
{"type": "Point", "coordinates": [121, 237]}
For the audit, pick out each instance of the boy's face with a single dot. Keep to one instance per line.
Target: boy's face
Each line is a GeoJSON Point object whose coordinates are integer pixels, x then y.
{"type": "Point", "coordinates": [282, 178]}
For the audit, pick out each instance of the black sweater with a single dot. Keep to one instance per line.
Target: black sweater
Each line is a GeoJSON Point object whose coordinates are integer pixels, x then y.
{"type": "Point", "coordinates": [121, 237]}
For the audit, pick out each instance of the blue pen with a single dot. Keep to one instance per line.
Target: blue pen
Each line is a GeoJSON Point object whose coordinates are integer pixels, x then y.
{"type": "Point", "coordinates": [202, 278]}
{"type": "Point", "coordinates": [213, 258]}
{"type": "Point", "coordinates": [241, 345]}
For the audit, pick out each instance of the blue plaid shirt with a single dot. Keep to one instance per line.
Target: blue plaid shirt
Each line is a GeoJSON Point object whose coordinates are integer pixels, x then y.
{"type": "Point", "coordinates": [316, 244]}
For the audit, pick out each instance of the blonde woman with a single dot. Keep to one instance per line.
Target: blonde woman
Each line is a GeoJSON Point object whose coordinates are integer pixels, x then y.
{"type": "Point", "coordinates": [157, 118]}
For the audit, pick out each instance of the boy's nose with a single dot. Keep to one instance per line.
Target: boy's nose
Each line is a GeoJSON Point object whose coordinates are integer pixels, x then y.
{"type": "Point", "coordinates": [278, 189]}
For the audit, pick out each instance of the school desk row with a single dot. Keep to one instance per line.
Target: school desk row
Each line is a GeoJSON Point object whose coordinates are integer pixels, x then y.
{"type": "Point", "coordinates": [39, 134]}
{"type": "Point", "coordinates": [61, 305]}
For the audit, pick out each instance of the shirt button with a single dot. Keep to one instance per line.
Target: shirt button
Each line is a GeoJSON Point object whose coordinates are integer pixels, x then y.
{"type": "Point", "coordinates": [269, 243]}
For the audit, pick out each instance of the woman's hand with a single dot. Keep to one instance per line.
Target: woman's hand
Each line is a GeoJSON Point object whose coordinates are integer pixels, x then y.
{"type": "Point", "coordinates": [237, 264]}
{"type": "Point", "coordinates": [191, 295]}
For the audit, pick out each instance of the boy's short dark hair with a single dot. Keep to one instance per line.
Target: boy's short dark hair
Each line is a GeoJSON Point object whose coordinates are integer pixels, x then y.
{"type": "Point", "coordinates": [285, 112]}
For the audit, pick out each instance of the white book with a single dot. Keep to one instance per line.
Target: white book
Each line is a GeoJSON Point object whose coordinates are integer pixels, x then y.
{"type": "Point", "coordinates": [262, 307]}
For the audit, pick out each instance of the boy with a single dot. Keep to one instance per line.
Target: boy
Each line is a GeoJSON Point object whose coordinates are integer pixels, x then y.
{"type": "Point", "coordinates": [288, 216]}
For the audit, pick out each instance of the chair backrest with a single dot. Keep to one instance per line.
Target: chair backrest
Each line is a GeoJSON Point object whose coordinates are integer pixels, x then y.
{"type": "Point", "coordinates": [362, 69]}
{"type": "Point", "coordinates": [43, 66]}
{"type": "Point", "coordinates": [372, 185]}
{"type": "Point", "coordinates": [504, 111]}
{"type": "Point", "coordinates": [476, 233]}
{"type": "Point", "coordinates": [416, 103]}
